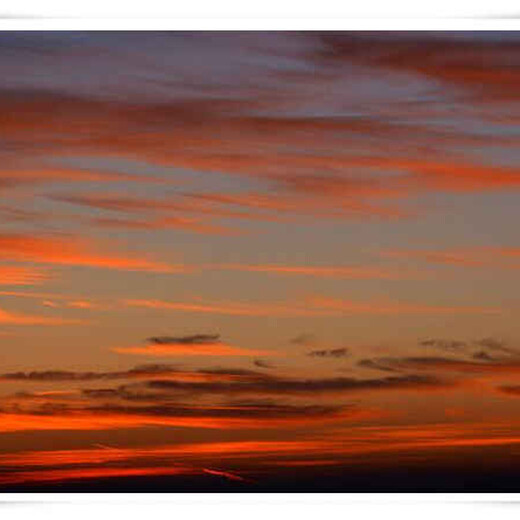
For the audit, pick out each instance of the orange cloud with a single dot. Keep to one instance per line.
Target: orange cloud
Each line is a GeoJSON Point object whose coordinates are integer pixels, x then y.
{"type": "Point", "coordinates": [313, 306]}
{"type": "Point", "coordinates": [16, 177]}
{"type": "Point", "coordinates": [14, 275]}
{"type": "Point", "coordinates": [231, 308]}
{"type": "Point", "coordinates": [350, 307]}
{"type": "Point", "coordinates": [216, 348]}
{"type": "Point", "coordinates": [504, 366]}
{"type": "Point", "coordinates": [13, 318]}
{"type": "Point", "coordinates": [182, 223]}
{"type": "Point", "coordinates": [471, 257]}
{"type": "Point", "coordinates": [62, 251]}
{"type": "Point", "coordinates": [354, 272]}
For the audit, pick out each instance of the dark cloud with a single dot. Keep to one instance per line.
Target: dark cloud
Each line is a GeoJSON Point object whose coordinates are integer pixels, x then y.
{"type": "Point", "coordinates": [100, 392]}
{"type": "Point", "coordinates": [444, 344]}
{"type": "Point", "coordinates": [260, 363]}
{"type": "Point", "coordinates": [495, 345]}
{"type": "Point", "coordinates": [481, 67]}
{"type": "Point", "coordinates": [485, 344]}
{"type": "Point", "coordinates": [246, 383]}
{"type": "Point", "coordinates": [242, 410]}
{"type": "Point", "coordinates": [282, 386]}
{"type": "Point", "coordinates": [330, 353]}
{"type": "Point", "coordinates": [482, 355]}
{"type": "Point", "coordinates": [138, 372]}
{"type": "Point", "coordinates": [304, 340]}
{"type": "Point", "coordinates": [114, 404]}
{"type": "Point", "coordinates": [513, 390]}
{"type": "Point", "coordinates": [376, 365]}
{"type": "Point", "coordinates": [64, 375]}
{"type": "Point", "coordinates": [58, 375]}
{"type": "Point", "coordinates": [241, 373]}
{"type": "Point", "coordinates": [196, 339]}
{"type": "Point", "coordinates": [481, 362]}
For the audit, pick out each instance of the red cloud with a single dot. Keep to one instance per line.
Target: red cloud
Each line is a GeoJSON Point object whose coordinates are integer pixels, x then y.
{"type": "Point", "coordinates": [68, 251]}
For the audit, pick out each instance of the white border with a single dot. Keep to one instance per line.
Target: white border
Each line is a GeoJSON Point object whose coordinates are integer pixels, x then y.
{"type": "Point", "coordinates": [189, 499]}
{"type": "Point", "coordinates": [259, 24]}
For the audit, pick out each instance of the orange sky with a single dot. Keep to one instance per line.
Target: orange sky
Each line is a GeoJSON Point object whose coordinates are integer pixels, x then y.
{"type": "Point", "coordinates": [224, 255]}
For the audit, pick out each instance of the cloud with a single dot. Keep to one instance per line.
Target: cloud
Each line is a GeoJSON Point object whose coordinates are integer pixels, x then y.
{"type": "Point", "coordinates": [196, 339]}
{"type": "Point", "coordinates": [15, 275]}
{"type": "Point", "coordinates": [261, 363]}
{"type": "Point", "coordinates": [94, 473]}
{"type": "Point", "coordinates": [511, 390]}
{"type": "Point", "coordinates": [311, 306]}
{"type": "Point", "coordinates": [16, 318]}
{"type": "Point", "coordinates": [140, 371]}
{"type": "Point", "coordinates": [330, 353]}
{"type": "Point", "coordinates": [196, 345]}
{"type": "Point", "coordinates": [376, 364]}
{"type": "Point", "coordinates": [495, 345]}
{"type": "Point", "coordinates": [353, 272]}
{"type": "Point", "coordinates": [91, 416]}
{"type": "Point", "coordinates": [17, 177]}
{"type": "Point", "coordinates": [304, 339]}
{"type": "Point", "coordinates": [146, 371]}
{"type": "Point", "coordinates": [372, 444]}
{"type": "Point", "coordinates": [224, 307]}
{"type": "Point", "coordinates": [444, 344]}
{"type": "Point", "coordinates": [309, 145]}
{"type": "Point", "coordinates": [479, 67]}
{"type": "Point", "coordinates": [482, 356]}
{"type": "Point", "coordinates": [59, 250]}
{"type": "Point", "coordinates": [339, 306]}
{"type": "Point", "coordinates": [483, 365]}
{"type": "Point", "coordinates": [493, 257]}
{"type": "Point", "coordinates": [486, 345]}
{"type": "Point", "coordinates": [158, 224]}
{"type": "Point", "coordinates": [241, 411]}
{"type": "Point", "coordinates": [287, 386]}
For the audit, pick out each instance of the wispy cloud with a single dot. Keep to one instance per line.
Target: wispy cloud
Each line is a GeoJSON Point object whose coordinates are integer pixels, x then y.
{"type": "Point", "coordinates": [17, 318]}
{"type": "Point", "coordinates": [59, 250]}
{"type": "Point", "coordinates": [497, 257]}
{"type": "Point", "coordinates": [330, 353]}
{"type": "Point", "coordinates": [16, 275]}
{"type": "Point", "coordinates": [312, 306]}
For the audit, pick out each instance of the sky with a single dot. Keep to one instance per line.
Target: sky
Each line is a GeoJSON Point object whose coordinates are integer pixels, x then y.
{"type": "Point", "coordinates": [261, 260]}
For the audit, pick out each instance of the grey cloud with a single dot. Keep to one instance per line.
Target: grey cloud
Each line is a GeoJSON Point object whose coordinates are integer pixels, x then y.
{"type": "Point", "coordinates": [196, 339]}
{"type": "Point", "coordinates": [482, 356]}
{"type": "Point", "coordinates": [375, 365]}
{"type": "Point", "coordinates": [65, 375]}
{"type": "Point", "coordinates": [304, 339]}
{"type": "Point", "coordinates": [495, 345]}
{"type": "Point", "coordinates": [330, 353]}
{"type": "Point", "coordinates": [260, 363]}
{"type": "Point", "coordinates": [481, 362]}
{"type": "Point", "coordinates": [298, 386]}
{"type": "Point", "coordinates": [444, 344]}
{"type": "Point", "coordinates": [242, 411]}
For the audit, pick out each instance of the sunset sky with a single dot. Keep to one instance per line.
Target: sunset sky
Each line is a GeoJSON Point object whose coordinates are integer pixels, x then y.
{"type": "Point", "coordinates": [232, 258]}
